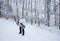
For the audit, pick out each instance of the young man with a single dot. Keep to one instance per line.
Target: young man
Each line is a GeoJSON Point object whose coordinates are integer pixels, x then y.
{"type": "Point", "coordinates": [21, 29]}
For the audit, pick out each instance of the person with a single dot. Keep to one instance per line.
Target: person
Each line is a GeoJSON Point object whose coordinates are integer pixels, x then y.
{"type": "Point", "coordinates": [21, 29]}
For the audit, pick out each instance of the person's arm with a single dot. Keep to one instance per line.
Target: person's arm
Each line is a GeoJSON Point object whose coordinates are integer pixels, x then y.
{"type": "Point", "coordinates": [20, 25]}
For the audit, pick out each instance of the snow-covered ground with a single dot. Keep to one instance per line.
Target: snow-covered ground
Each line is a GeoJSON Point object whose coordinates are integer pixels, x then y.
{"type": "Point", "coordinates": [9, 32]}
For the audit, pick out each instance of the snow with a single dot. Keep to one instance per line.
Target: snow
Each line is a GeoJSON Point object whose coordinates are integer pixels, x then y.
{"type": "Point", "coordinates": [9, 32]}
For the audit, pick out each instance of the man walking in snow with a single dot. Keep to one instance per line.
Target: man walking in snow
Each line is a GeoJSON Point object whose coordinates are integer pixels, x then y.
{"type": "Point", "coordinates": [21, 29]}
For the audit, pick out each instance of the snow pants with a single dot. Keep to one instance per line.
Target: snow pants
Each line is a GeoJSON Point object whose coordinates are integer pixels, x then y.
{"type": "Point", "coordinates": [21, 31]}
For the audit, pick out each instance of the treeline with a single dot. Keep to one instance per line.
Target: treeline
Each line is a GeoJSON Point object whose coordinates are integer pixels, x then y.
{"type": "Point", "coordinates": [34, 11]}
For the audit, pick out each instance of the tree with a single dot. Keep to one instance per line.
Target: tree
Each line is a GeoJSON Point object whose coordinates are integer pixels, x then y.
{"type": "Point", "coordinates": [1, 3]}
{"type": "Point", "coordinates": [31, 14]}
{"type": "Point", "coordinates": [48, 12]}
{"type": "Point", "coordinates": [35, 11]}
{"type": "Point", "coordinates": [55, 14]}
{"type": "Point", "coordinates": [23, 9]}
{"type": "Point", "coordinates": [26, 9]}
{"type": "Point", "coordinates": [0, 9]}
{"type": "Point", "coordinates": [8, 8]}
{"type": "Point", "coordinates": [17, 16]}
{"type": "Point", "coordinates": [38, 22]}
{"type": "Point", "coordinates": [59, 14]}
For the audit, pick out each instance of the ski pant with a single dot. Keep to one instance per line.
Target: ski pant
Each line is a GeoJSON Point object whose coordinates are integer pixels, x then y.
{"type": "Point", "coordinates": [21, 31]}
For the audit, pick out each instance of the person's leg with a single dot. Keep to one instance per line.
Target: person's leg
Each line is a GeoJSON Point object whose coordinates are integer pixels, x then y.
{"type": "Point", "coordinates": [20, 30]}
{"type": "Point", "coordinates": [23, 31]}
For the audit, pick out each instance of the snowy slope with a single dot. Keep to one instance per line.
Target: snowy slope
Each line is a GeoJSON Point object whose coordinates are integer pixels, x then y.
{"type": "Point", "coordinates": [9, 32]}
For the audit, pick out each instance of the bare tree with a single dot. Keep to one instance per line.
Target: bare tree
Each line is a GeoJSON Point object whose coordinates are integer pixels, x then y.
{"type": "Point", "coordinates": [31, 14]}
{"type": "Point", "coordinates": [26, 9]}
{"type": "Point", "coordinates": [0, 9]}
{"type": "Point", "coordinates": [55, 14]}
{"type": "Point", "coordinates": [17, 17]}
{"type": "Point", "coordinates": [48, 12]}
{"type": "Point", "coordinates": [59, 14]}
{"type": "Point", "coordinates": [23, 9]}
{"type": "Point", "coordinates": [1, 3]}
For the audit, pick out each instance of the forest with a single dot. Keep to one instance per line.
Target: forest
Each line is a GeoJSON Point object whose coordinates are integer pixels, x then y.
{"type": "Point", "coordinates": [38, 12]}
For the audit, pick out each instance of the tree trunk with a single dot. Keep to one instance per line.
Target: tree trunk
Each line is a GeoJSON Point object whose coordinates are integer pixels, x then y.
{"type": "Point", "coordinates": [0, 14]}
{"type": "Point", "coordinates": [23, 9]}
{"type": "Point", "coordinates": [0, 9]}
{"type": "Point", "coordinates": [59, 14]}
{"type": "Point", "coordinates": [48, 12]}
{"type": "Point", "coordinates": [55, 11]}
